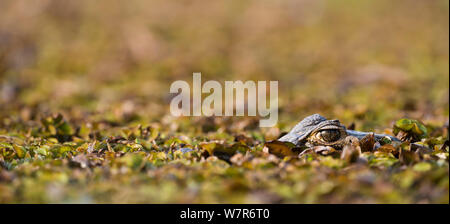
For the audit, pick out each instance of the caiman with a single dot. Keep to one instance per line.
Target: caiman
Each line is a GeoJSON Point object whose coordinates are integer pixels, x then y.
{"type": "Point", "coordinates": [316, 130]}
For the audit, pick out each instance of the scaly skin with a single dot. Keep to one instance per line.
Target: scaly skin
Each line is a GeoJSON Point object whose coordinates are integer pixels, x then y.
{"type": "Point", "coordinates": [316, 130]}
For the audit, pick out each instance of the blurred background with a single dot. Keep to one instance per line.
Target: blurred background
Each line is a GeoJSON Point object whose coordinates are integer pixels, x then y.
{"type": "Point", "coordinates": [364, 62]}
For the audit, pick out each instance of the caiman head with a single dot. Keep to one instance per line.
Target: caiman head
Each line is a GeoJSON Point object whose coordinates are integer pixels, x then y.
{"type": "Point", "coordinates": [316, 130]}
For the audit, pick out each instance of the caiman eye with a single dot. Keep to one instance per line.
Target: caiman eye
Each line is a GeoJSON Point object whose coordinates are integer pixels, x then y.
{"type": "Point", "coordinates": [330, 135]}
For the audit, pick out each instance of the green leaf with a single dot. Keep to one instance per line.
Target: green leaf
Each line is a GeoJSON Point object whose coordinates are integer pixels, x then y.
{"type": "Point", "coordinates": [65, 129]}
{"type": "Point", "coordinates": [410, 126]}
{"type": "Point", "coordinates": [422, 167]}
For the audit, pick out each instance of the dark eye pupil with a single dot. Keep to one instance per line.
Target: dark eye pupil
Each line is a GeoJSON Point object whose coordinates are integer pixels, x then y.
{"type": "Point", "coordinates": [330, 135]}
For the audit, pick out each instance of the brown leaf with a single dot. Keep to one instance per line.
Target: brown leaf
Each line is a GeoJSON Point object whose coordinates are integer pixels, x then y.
{"type": "Point", "coordinates": [240, 158]}
{"type": "Point", "coordinates": [6, 176]}
{"type": "Point", "coordinates": [79, 161]}
{"type": "Point", "coordinates": [222, 151]}
{"type": "Point", "coordinates": [408, 157]}
{"type": "Point", "coordinates": [367, 143]}
{"type": "Point", "coordinates": [91, 147]}
{"type": "Point", "coordinates": [423, 152]}
{"type": "Point", "coordinates": [244, 139]}
{"type": "Point", "coordinates": [388, 148]}
{"type": "Point", "coordinates": [351, 151]}
{"type": "Point", "coordinates": [279, 149]}
{"type": "Point", "coordinates": [445, 145]}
